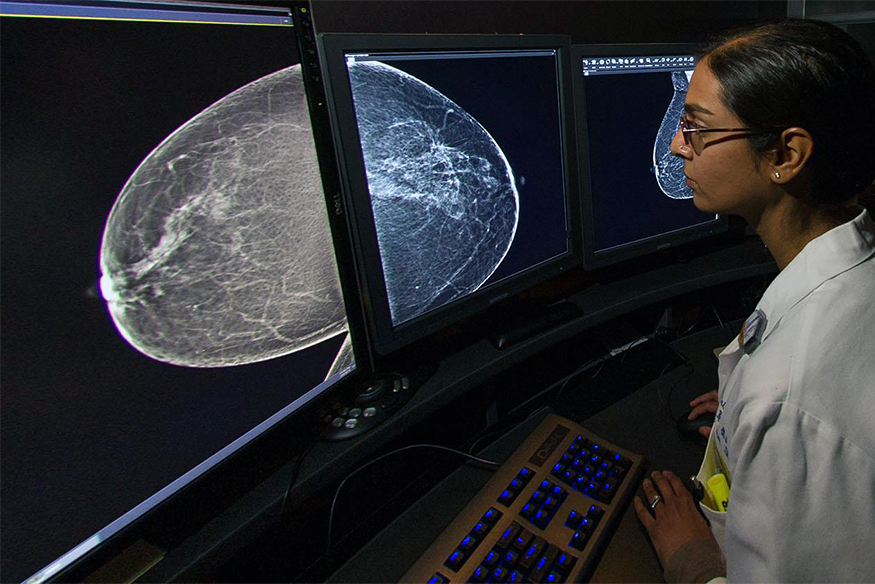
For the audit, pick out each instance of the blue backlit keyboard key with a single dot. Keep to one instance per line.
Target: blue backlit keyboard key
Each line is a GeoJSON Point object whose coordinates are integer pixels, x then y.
{"type": "Point", "coordinates": [543, 517]}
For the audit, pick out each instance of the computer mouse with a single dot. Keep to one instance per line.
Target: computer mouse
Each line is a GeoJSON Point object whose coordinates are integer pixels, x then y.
{"type": "Point", "coordinates": [689, 429]}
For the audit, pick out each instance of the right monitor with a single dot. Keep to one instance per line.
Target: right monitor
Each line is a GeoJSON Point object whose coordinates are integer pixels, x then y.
{"type": "Point", "coordinates": [628, 101]}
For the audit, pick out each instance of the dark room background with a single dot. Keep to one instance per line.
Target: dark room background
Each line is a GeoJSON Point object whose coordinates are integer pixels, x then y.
{"type": "Point", "coordinates": [30, 452]}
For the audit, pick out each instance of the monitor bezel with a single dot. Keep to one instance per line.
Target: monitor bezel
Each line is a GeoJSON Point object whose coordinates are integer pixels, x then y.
{"type": "Point", "coordinates": [387, 337]}
{"type": "Point", "coordinates": [592, 258]}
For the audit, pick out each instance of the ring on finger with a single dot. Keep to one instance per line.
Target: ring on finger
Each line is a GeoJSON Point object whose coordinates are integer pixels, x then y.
{"type": "Point", "coordinates": [655, 501]}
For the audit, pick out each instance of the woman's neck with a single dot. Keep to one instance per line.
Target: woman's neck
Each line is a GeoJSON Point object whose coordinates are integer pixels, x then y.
{"type": "Point", "coordinates": [790, 225]}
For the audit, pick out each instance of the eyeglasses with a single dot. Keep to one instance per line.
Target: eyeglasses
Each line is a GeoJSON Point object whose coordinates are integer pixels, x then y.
{"type": "Point", "coordinates": [692, 136]}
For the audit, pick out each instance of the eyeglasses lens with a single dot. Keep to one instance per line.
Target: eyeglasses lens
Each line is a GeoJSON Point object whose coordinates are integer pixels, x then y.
{"type": "Point", "coordinates": [690, 138]}
{"type": "Point", "coordinates": [685, 126]}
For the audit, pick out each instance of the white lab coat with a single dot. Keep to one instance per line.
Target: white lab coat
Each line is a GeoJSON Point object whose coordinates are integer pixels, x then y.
{"type": "Point", "coordinates": [796, 422]}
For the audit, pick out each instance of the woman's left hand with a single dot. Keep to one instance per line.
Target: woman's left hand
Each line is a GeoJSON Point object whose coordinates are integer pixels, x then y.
{"type": "Point", "coordinates": [675, 520]}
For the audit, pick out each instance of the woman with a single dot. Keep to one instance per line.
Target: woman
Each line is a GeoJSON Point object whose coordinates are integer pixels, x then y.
{"type": "Point", "coordinates": [779, 129]}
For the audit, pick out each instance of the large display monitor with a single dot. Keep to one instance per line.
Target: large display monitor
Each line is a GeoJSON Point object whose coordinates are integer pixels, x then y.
{"type": "Point", "coordinates": [170, 297]}
{"type": "Point", "coordinates": [458, 168]}
{"type": "Point", "coordinates": [635, 201]}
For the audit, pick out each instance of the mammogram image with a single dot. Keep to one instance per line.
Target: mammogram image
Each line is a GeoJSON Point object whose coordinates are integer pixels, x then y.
{"type": "Point", "coordinates": [668, 168]}
{"type": "Point", "coordinates": [217, 251]}
{"type": "Point", "coordinates": [443, 194]}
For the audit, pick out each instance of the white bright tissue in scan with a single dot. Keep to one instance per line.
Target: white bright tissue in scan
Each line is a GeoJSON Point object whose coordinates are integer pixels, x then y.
{"type": "Point", "coordinates": [217, 251]}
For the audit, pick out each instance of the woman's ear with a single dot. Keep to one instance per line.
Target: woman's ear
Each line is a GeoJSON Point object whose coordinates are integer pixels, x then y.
{"type": "Point", "coordinates": [790, 156]}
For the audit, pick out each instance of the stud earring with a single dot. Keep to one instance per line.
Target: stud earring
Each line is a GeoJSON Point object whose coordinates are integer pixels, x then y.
{"type": "Point", "coordinates": [777, 175]}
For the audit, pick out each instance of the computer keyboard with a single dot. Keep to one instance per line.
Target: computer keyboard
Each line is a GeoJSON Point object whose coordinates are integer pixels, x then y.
{"type": "Point", "coordinates": [544, 516]}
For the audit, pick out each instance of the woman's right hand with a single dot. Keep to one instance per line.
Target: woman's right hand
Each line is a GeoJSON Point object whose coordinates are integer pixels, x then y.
{"type": "Point", "coordinates": [704, 404]}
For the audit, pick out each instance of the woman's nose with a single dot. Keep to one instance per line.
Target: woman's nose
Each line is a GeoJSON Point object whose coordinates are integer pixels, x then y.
{"type": "Point", "coordinates": [679, 147]}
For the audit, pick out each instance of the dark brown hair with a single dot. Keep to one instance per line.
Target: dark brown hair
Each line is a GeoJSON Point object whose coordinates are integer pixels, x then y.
{"type": "Point", "coordinates": [807, 74]}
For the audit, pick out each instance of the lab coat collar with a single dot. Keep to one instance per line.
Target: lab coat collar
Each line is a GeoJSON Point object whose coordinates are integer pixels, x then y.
{"type": "Point", "coordinates": [823, 258]}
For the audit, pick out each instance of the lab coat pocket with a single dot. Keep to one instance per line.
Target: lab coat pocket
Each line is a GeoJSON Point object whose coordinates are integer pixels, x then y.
{"type": "Point", "coordinates": [712, 464]}
{"type": "Point", "coordinates": [718, 524]}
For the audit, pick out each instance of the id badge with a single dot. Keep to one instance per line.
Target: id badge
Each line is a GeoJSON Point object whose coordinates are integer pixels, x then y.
{"type": "Point", "coordinates": [752, 331]}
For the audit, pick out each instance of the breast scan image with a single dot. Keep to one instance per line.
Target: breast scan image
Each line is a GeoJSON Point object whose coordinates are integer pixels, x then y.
{"type": "Point", "coordinates": [217, 251]}
{"type": "Point", "coordinates": [668, 168]}
{"type": "Point", "coordinates": [443, 194]}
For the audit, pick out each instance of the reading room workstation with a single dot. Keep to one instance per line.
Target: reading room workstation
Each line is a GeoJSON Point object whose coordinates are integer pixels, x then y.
{"type": "Point", "coordinates": [354, 291]}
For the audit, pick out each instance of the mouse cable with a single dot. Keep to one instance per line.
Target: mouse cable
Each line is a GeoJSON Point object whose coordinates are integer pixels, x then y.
{"type": "Point", "coordinates": [691, 369]}
{"type": "Point", "coordinates": [561, 383]}
{"type": "Point", "coordinates": [601, 361]}
{"type": "Point", "coordinates": [686, 361]}
{"type": "Point", "coordinates": [662, 333]}
{"type": "Point", "coordinates": [666, 402]}
{"type": "Point", "coordinates": [503, 427]}
{"type": "Point", "coordinates": [719, 320]}
{"type": "Point", "coordinates": [489, 463]}
{"type": "Point", "coordinates": [296, 469]}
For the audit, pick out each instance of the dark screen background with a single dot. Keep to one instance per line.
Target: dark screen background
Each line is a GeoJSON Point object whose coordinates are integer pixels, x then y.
{"type": "Point", "coordinates": [623, 115]}
{"type": "Point", "coordinates": [91, 427]}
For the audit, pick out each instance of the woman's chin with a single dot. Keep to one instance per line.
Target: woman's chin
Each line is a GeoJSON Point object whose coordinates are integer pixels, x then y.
{"type": "Point", "coordinates": [702, 203]}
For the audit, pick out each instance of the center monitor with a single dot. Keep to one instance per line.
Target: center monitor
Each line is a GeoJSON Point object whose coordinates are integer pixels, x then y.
{"type": "Point", "coordinates": [457, 158]}
{"type": "Point", "coordinates": [629, 101]}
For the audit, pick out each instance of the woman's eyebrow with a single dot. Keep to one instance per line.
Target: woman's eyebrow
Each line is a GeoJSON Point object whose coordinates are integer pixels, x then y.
{"type": "Point", "coordinates": [694, 108]}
